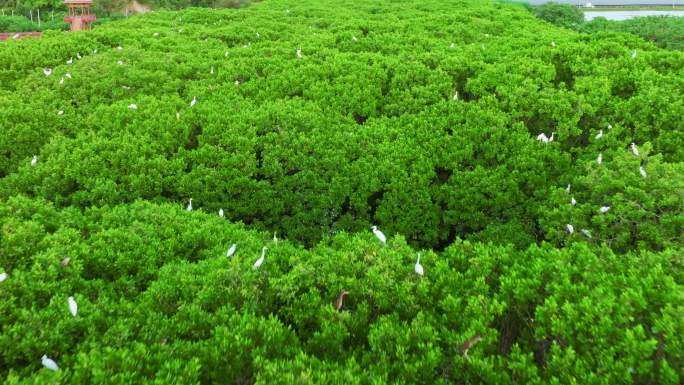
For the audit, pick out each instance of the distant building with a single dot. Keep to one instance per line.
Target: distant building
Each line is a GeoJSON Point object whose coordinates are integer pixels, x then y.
{"type": "Point", "coordinates": [79, 15]}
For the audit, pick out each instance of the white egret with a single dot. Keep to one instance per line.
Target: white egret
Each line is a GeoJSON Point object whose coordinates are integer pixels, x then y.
{"type": "Point", "coordinates": [189, 208]}
{"type": "Point", "coordinates": [119, 48]}
{"type": "Point", "coordinates": [71, 60]}
{"type": "Point", "coordinates": [212, 70]}
{"type": "Point", "coordinates": [567, 189]}
{"type": "Point", "coordinates": [119, 62]}
{"type": "Point", "coordinates": [73, 307]}
{"type": "Point", "coordinates": [78, 55]}
{"type": "Point", "coordinates": [573, 201]}
{"type": "Point", "coordinates": [354, 38]}
{"type": "Point", "coordinates": [155, 34]}
{"type": "Point", "coordinates": [225, 54]}
{"type": "Point", "coordinates": [339, 302]}
{"type": "Point", "coordinates": [634, 55]}
{"type": "Point", "coordinates": [452, 45]}
{"type": "Point", "coordinates": [379, 234]}
{"type": "Point", "coordinates": [231, 250]}
{"type": "Point", "coordinates": [34, 161]}
{"type": "Point", "coordinates": [418, 268]}
{"type": "Point", "coordinates": [635, 150]}
{"type": "Point", "coordinates": [275, 239]}
{"type": "Point", "coordinates": [3, 276]}
{"type": "Point", "coordinates": [551, 138]}
{"type": "Point", "coordinates": [599, 135]}
{"type": "Point", "coordinates": [542, 138]}
{"type": "Point", "coordinates": [604, 209]}
{"type": "Point", "coordinates": [133, 106]}
{"type": "Point", "coordinates": [237, 82]}
{"type": "Point", "coordinates": [95, 50]}
{"type": "Point", "coordinates": [193, 102]}
{"type": "Point", "coordinates": [586, 233]}
{"type": "Point", "coordinates": [60, 113]}
{"type": "Point", "coordinates": [177, 115]}
{"type": "Point", "coordinates": [456, 96]}
{"type": "Point", "coordinates": [299, 53]}
{"type": "Point", "coordinates": [553, 44]}
{"type": "Point", "coordinates": [61, 80]}
{"type": "Point", "coordinates": [571, 228]}
{"type": "Point", "coordinates": [599, 159]}
{"type": "Point", "coordinates": [47, 71]}
{"type": "Point", "coordinates": [65, 261]}
{"type": "Point", "coordinates": [257, 35]}
{"type": "Point", "coordinates": [68, 75]}
{"type": "Point", "coordinates": [260, 261]}
{"type": "Point", "coordinates": [642, 171]}
{"type": "Point", "coordinates": [221, 213]}
{"type": "Point", "coordinates": [610, 126]}
{"type": "Point", "coordinates": [49, 363]}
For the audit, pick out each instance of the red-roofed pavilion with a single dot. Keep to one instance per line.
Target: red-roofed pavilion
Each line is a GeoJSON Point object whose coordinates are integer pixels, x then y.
{"type": "Point", "coordinates": [79, 15]}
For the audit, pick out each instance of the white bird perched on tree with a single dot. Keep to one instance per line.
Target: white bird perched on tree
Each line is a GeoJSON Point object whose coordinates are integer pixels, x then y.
{"type": "Point", "coordinates": [571, 228]}
{"type": "Point", "coordinates": [260, 261]}
{"type": "Point", "coordinates": [573, 201]}
{"type": "Point", "coordinates": [3, 276]}
{"type": "Point", "coordinates": [635, 150]}
{"type": "Point", "coordinates": [604, 209]}
{"type": "Point", "coordinates": [299, 53]}
{"type": "Point", "coordinates": [231, 250]}
{"type": "Point", "coordinates": [586, 233]}
{"type": "Point", "coordinates": [34, 161]}
{"type": "Point", "coordinates": [133, 106]}
{"type": "Point", "coordinates": [567, 189]}
{"type": "Point", "coordinates": [354, 38]}
{"type": "Point", "coordinates": [221, 213]}
{"type": "Point", "coordinates": [155, 34]}
{"type": "Point", "coordinates": [418, 268]}
{"type": "Point", "coordinates": [60, 113]}
{"type": "Point", "coordinates": [189, 208]}
{"type": "Point", "coordinates": [61, 80]}
{"type": "Point", "coordinates": [119, 48]}
{"type": "Point", "coordinates": [49, 363]}
{"type": "Point", "coordinates": [275, 239]}
{"type": "Point", "coordinates": [634, 54]}
{"type": "Point", "coordinates": [542, 138]}
{"type": "Point", "coordinates": [119, 62]}
{"type": "Point", "coordinates": [68, 75]}
{"type": "Point", "coordinates": [78, 55]}
{"type": "Point", "coordinates": [193, 101]}
{"type": "Point", "coordinates": [610, 126]}
{"type": "Point", "coordinates": [642, 171]}
{"type": "Point", "coordinates": [225, 54]}
{"type": "Point", "coordinates": [71, 60]}
{"type": "Point", "coordinates": [212, 70]}
{"type": "Point", "coordinates": [95, 50]}
{"type": "Point", "coordinates": [379, 234]}
{"type": "Point", "coordinates": [599, 159]}
{"type": "Point", "coordinates": [73, 307]}
{"type": "Point", "coordinates": [237, 82]}
{"type": "Point", "coordinates": [452, 45]}
{"type": "Point", "coordinates": [47, 71]}
{"type": "Point", "coordinates": [553, 44]}
{"type": "Point", "coordinates": [599, 135]}
{"type": "Point", "coordinates": [456, 96]}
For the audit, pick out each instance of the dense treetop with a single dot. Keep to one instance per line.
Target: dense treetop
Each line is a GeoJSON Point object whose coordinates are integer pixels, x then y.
{"type": "Point", "coordinates": [316, 120]}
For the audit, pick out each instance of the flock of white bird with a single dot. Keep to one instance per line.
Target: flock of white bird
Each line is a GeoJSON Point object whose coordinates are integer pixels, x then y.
{"type": "Point", "coordinates": [418, 268]}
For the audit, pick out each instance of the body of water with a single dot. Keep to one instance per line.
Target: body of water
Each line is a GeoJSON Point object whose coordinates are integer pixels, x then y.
{"type": "Point", "coordinates": [611, 2]}
{"type": "Point", "coordinates": [624, 15]}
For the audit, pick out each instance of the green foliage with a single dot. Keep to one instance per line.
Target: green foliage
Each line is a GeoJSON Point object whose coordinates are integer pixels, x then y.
{"type": "Point", "coordinates": [159, 300]}
{"type": "Point", "coordinates": [22, 24]}
{"type": "Point", "coordinates": [562, 15]}
{"type": "Point", "coordinates": [422, 119]}
{"type": "Point", "coordinates": [664, 31]}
